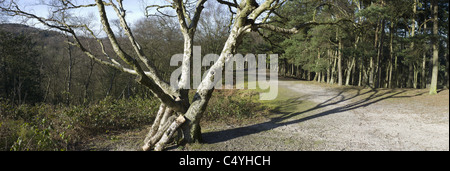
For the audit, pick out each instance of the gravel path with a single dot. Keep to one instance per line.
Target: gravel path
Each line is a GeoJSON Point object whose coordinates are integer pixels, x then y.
{"type": "Point", "coordinates": [320, 117]}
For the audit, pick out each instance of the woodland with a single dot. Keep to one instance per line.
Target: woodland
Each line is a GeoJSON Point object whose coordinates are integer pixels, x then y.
{"type": "Point", "coordinates": [70, 77]}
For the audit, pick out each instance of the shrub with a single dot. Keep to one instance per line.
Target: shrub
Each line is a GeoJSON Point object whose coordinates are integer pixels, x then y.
{"type": "Point", "coordinates": [59, 127]}
{"type": "Point", "coordinates": [113, 115]}
{"type": "Point", "coordinates": [53, 128]}
{"type": "Point", "coordinates": [233, 106]}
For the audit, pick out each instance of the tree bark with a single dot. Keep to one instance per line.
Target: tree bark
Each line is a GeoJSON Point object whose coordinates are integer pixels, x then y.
{"type": "Point", "coordinates": [424, 64]}
{"type": "Point", "coordinates": [380, 54]}
{"type": "Point", "coordinates": [169, 133]}
{"type": "Point", "coordinates": [446, 74]}
{"type": "Point", "coordinates": [371, 62]}
{"type": "Point", "coordinates": [360, 73]}
{"type": "Point", "coordinates": [349, 71]}
{"type": "Point", "coordinates": [416, 75]}
{"type": "Point", "coordinates": [411, 74]}
{"type": "Point", "coordinates": [154, 129]}
{"type": "Point", "coordinates": [329, 66]}
{"type": "Point", "coordinates": [391, 54]}
{"type": "Point", "coordinates": [340, 78]}
{"type": "Point", "coordinates": [333, 70]}
{"type": "Point", "coordinates": [111, 83]}
{"type": "Point", "coordinates": [69, 70]}
{"type": "Point", "coordinates": [88, 81]}
{"type": "Point", "coordinates": [435, 72]}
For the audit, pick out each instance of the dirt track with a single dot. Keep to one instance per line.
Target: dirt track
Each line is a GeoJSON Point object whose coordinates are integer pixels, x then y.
{"type": "Point", "coordinates": [315, 117]}
{"type": "Point", "coordinates": [320, 117]}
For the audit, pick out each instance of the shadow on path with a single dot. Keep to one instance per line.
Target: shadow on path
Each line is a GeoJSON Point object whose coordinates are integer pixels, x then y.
{"type": "Point", "coordinates": [345, 102]}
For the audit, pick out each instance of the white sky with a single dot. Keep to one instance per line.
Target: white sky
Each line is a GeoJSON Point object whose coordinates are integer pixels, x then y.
{"type": "Point", "coordinates": [134, 9]}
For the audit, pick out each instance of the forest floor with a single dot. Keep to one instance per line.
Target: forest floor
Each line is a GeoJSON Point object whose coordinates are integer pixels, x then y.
{"type": "Point", "coordinates": [314, 117]}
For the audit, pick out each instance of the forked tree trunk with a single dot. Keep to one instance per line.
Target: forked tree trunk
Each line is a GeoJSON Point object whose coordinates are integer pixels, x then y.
{"type": "Point", "coordinates": [189, 123]}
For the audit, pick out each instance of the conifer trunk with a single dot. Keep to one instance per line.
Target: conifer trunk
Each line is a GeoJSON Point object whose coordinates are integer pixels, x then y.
{"type": "Point", "coordinates": [435, 72]}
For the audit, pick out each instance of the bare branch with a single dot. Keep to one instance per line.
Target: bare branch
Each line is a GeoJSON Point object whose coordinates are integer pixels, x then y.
{"type": "Point", "coordinates": [198, 11]}
{"type": "Point", "coordinates": [260, 9]}
{"type": "Point", "coordinates": [297, 28]}
{"type": "Point", "coordinates": [101, 45]}
{"type": "Point", "coordinates": [99, 60]}
{"type": "Point", "coordinates": [73, 7]}
{"type": "Point", "coordinates": [230, 4]}
{"type": "Point", "coordinates": [15, 10]}
{"type": "Point", "coordinates": [160, 90]}
{"type": "Point", "coordinates": [152, 69]}
{"type": "Point", "coordinates": [158, 7]}
{"type": "Point", "coordinates": [179, 6]}
{"type": "Point", "coordinates": [69, 29]}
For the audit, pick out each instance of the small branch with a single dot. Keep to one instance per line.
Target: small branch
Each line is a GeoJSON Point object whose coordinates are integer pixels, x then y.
{"type": "Point", "coordinates": [75, 7]}
{"type": "Point", "coordinates": [230, 4]}
{"type": "Point", "coordinates": [198, 11]}
{"type": "Point", "coordinates": [48, 22]}
{"type": "Point", "coordinates": [158, 7]}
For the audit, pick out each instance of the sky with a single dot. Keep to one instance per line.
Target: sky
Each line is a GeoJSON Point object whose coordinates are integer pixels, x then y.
{"type": "Point", "coordinates": [134, 9]}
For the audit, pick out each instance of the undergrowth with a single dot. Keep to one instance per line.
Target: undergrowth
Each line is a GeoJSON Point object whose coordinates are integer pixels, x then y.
{"type": "Point", "coordinates": [234, 106]}
{"type": "Point", "coordinates": [45, 127]}
{"type": "Point", "coordinates": [59, 128]}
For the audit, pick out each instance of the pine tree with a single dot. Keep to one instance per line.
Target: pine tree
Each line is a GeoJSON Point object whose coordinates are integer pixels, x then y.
{"type": "Point", "coordinates": [435, 72]}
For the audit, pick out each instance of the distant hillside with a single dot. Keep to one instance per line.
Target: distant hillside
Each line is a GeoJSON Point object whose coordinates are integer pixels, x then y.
{"type": "Point", "coordinates": [24, 29]}
{"type": "Point", "coordinates": [60, 64]}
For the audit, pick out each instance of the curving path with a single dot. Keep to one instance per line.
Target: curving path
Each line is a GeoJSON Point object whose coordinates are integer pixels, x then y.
{"type": "Point", "coordinates": [320, 117]}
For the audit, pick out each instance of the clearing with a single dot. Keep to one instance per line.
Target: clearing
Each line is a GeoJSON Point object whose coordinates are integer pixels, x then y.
{"type": "Point", "coordinates": [312, 116]}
